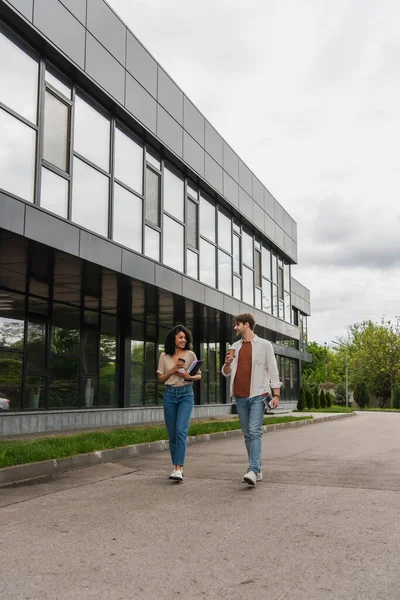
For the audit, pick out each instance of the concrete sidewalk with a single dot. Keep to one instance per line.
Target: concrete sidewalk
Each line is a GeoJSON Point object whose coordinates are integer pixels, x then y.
{"type": "Point", "coordinates": [323, 525]}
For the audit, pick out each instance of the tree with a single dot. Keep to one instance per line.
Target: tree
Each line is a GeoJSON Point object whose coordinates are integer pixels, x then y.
{"type": "Point", "coordinates": [396, 403]}
{"type": "Point", "coordinates": [316, 403]}
{"type": "Point", "coordinates": [309, 399]}
{"type": "Point", "coordinates": [361, 395]}
{"type": "Point", "coordinates": [322, 399]}
{"type": "Point", "coordinates": [328, 397]}
{"type": "Point", "coordinates": [340, 394]}
{"type": "Point", "coordinates": [301, 404]}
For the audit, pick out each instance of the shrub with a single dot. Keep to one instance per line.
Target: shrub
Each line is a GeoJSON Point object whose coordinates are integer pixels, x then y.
{"type": "Point", "coordinates": [309, 400]}
{"type": "Point", "coordinates": [328, 398]}
{"type": "Point", "coordinates": [340, 394]}
{"type": "Point", "coordinates": [396, 400]}
{"type": "Point", "coordinates": [316, 398]}
{"type": "Point", "coordinates": [301, 404]}
{"type": "Point", "coordinates": [322, 399]}
{"type": "Point", "coordinates": [361, 395]}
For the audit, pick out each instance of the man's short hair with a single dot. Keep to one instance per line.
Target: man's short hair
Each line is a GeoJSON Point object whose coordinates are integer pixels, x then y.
{"type": "Point", "coordinates": [246, 318]}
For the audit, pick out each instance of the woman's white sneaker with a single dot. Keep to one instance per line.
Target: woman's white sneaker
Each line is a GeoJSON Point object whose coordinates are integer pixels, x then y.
{"type": "Point", "coordinates": [250, 478]}
{"type": "Point", "coordinates": [172, 476]}
{"type": "Point", "coordinates": [177, 476]}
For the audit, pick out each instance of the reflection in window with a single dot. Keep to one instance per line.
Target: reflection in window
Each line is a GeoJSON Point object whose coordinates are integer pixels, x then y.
{"type": "Point", "coordinates": [266, 262]}
{"type": "Point", "coordinates": [54, 194]}
{"type": "Point", "coordinates": [224, 232]}
{"type": "Point", "coordinates": [137, 380]}
{"type": "Point", "coordinates": [34, 392]}
{"type": "Point", "coordinates": [173, 194]}
{"type": "Point", "coordinates": [173, 244]}
{"type": "Point", "coordinates": [91, 134]}
{"type": "Point", "coordinates": [236, 254]}
{"type": "Point", "coordinates": [288, 312]}
{"type": "Point", "coordinates": [153, 197]}
{"type": "Point", "coordinates": [128, 161]}
{"type": "Point", "coordinates": [55, 140]}
{"type": "Point", "coordinates": [248, 286]}
{"type": "Point", "coordinates": [224, 272]}
{"type": "Point", "coordinates": [107, 385]}
{"type": "Point", "coordinates": [65, 330]}
{"type": "Point", "coordinates": [90, 198]}
{"type": "Point", "coordinates": [192, 264]}
{"type": "Point", "coordinates": [36, 347]}
{"type": "Point", "coordinates": [11, 320]}
{"type": "Point", "coordinates": [19, 80]}
{"type": "Point", "coordinates": [127, 221]}
{"type": "Point", "coordinates": [287, 277]}
{"type": "Point", "coordinates": [247, 249]}
{"type": "Point", "coordinates": [275, 300]}
{"type": "Point", "coordinates": [257, 298]}
{"type": "Point", "coordinates": [257, 267]}
{"type": "Point", "coordinates": [207, 263]}
{"type": "Point", "coordinates": [192, 224]}
{"type": "Point", "coordinates": [153, 159]}
{"type": "Point", "coordinates": [152, 243]}
{"type": "Point", "coordinates": [11, 377]}
{"type": "Point", "coordinates": [63, 384]}
{"type": "Point", "coordinates": [207, 219]}
{"type": "Point", "coordinates": [89, 392]}
{"type": "Point", "coordinates": [237, 287]}
{"type": "Point", "coordinates": [90, 352]}
{"type": "Point", "coordinates": [274, 268]}
{"type": "Point", "coordinates": [58, 84]}
{"type": "Point", "coordinates": [17, 152]}
{"type": "Point", "coordinates": [266, 296]}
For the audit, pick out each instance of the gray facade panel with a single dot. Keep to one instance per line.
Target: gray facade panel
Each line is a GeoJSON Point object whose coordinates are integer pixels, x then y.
{"type": "Point", "coordinates": [258, 191]}
{"type": "Point", "coordinates": [213, 143]}
{"type": "Point", "coordinates": [141, 104]}
{"type": "Point", "coordinates": [169, 131]}
{"type": "Point", "coordinates": [107, 28]}
{"type": "Point", "coordinates": [294, 253]}
{"type": "Point", "coordinates": [138, 267]}
{"type": "Point", "coordinates": [294, 231]}
{"type": "Point", "coordinates": [279, 236]}
{"type": "Point", "coordinates": [269, 203]}
{"type": "Point", "coordinates": [193, 154]}
{"type": "Point", "coordinates": [25, 7]}
{"type": "Point", "coordinates": [288, 245]}
{"type": "Point", "coordinates": [213, 173]}
{"type": "Point", "coordinates": [12, 214]}
{"type": "Point", "coordinates": [245, 204]}
{"type": "Point", "coordinates": [168, 280]}
{"type": "Point", "coordinates": [105, 69]}
{"type": "Point", "coordinates": [77, 8]}
{"type": "Point", "coordinates": [61, 28]}
{"type": "Point", "coordinates": [245, 178]}
{"type": "Point", "coordinates": [214, 299]}
{"type": "Point", "coordinates": [193, 290]}
{"type": "Point", "coordinates": [287, 223]}
{"type": "Point", "coordinates": [170, 96]}
{"type": "Point", "coordinates": [258, 216]}
{"type": "Point", "coordinates": [231, 189]}
{"type": "Point", "coordinates": [141, 65]}
{"type": "Point", "coordinates": [279, 218]}
{"type": "Point", "coordinates": [230, 162]}
{"type": "Point", "coordinates": [51, 231]}
{"type": "Point", "coordinates": [269, 227]}
{"type": "Point", "coordinates": [231, 307]}
{"type": "Point", "coordinates": [193, 121]}
{"type": "Point", "coordinates": [100, 251]}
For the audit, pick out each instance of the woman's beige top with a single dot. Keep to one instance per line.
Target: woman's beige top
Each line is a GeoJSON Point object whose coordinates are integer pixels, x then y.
{"type": "Point", "coordinates": [166, 363]}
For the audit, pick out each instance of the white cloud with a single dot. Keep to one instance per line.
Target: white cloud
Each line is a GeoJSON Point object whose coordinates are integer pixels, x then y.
{"type": "Point", "coordinates": [307, 93]}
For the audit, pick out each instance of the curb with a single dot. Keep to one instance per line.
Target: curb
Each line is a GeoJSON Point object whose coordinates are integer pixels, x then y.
{"type": "Point", "coordinates": [46, 468]}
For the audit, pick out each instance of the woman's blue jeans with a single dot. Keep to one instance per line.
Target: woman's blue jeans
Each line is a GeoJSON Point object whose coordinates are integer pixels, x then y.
{"type": "Point", "coordinates": [251, 416]}
{"type": "Point", "coordinates": [178, 406]}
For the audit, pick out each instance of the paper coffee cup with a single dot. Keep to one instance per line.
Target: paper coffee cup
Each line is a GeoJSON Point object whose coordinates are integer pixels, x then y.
{"type": "Point", "coordinates": [231, 351]}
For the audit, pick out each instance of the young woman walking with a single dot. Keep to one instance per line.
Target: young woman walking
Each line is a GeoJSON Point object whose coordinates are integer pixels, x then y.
{"type": "Point", "coordinates": [178, 396]}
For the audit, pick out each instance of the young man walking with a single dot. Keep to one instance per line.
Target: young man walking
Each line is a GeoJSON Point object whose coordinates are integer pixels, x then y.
{"type": "Point", "coordinates": [251, 365]}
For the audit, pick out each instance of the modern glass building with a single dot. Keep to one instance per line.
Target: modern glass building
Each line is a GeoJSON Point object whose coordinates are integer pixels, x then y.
{"type": "Point", "coordinates": [122, 213]}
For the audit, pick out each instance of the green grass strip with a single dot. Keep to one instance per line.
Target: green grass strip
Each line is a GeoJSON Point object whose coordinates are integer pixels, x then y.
{"type": "Point", "coordinates": [18, 452]}
{"type": "Point", "coordinates": [332, 409]}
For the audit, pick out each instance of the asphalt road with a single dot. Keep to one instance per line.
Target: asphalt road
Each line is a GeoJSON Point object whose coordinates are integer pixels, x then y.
{"type": "Point", "coordinates": [324, 523]}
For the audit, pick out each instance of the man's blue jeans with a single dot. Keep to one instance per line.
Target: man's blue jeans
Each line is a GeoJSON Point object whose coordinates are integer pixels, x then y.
{"type": "Point", "coordinates": [178, 406]}
{"type": "Point", "coordinates": [251, 415]}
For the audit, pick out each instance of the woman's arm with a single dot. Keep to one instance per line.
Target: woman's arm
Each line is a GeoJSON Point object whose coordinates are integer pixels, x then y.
{"type": "Point", "coordinates": [162, 377]}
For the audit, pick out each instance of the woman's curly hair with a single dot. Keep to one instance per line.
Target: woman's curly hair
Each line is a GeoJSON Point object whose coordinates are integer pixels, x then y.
{"type": "Point", "coordinates": [169, 344]}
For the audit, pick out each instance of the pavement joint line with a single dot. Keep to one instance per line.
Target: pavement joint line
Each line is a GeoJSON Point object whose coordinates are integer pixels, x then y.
{"type": "Point", "coordinates": [36, 470]}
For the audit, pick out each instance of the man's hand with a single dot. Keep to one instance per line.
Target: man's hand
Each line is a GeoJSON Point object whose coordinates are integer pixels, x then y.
{"type": "Point", "coordinates": [275, 401]}
{"type": "Point", "coordinates": [228, 359]}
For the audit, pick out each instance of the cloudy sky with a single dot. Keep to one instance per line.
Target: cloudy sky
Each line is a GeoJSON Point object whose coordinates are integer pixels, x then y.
{"type": "Point", "coordinates": [308, 95]}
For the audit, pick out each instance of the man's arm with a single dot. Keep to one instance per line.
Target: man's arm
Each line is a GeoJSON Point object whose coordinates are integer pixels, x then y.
{"type": "Point", "coordinates": [272, 367]}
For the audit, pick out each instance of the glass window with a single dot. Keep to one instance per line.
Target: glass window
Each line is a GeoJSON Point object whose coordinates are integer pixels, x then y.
{"type": "Point", "coordinates": [287, 277]}
{"type": "Point", "coordinates": [280, 283]}
{"type": "Point", "coordinates": [236, 254]}
{"type": "Point", "coordinates": [173, 194]}
{"type": "Point", "coordinates": [207, 263]}
{"type": "Point", "coordinates": [90, 198]}
{"type": "Point", "coordinates": [224, 232]}
{"type": "Point", "coordinates": [34, 392]}
{"type": "Point", "coordinates": [36, 347]}
{"type": "Point", "coordinates": [65, 330]}
{"type": "Point", "coordinates": [192, 224]}
{"type": "Point", "coordinates": [152, 243]}
{"type": "Point", "coordinates": [236, 226]}
{"type": "Point", "coordinates": [137, 389]}
{"type": "Point", "coordinates": [237, 287]}
{"type": "Point", "coordinates": [266, 296]}
{"type": "Point", "coordinates": [257, 298]}
{"type": "Point", "coordinates": [247, 249]}
{"type": "Point", "coordinates": [153, 159]}
{"type": "Point", "coordinates": [58, 84]}
{"type": "Point", "coordinates": [128, 161]}
{"type": "Point", "coordinates": [274, 268]}
{"type": "Point", "coordinates": [173, 244]}
{"type": "Point", "coordinates": [17, 156]}
{"type": "Point", "coordinates": [207, 219]}
{"type": "Point", "coordinates": [248, 286]}
{"type": "Point", "coordinates": [224, 272]}
{"type": "Point", "coordinates": [127, 221]}
{"type": "Point", "coordinates": [257, 267]}
{"type": "Point", "coordinates": [288, 312]}
{"type": "Point", "coordinates": [11, 320]}
{"type": "Point", "coordinates": [275, 300]}
{"type": "Point", "coordinates": [281, 309]}
{"type": "Point", "coordinates": [107, 385]}
{"type": "Point", "coordinates": [90, 356]}
{"type": "Point", "coordinates": [63, 385]}
{"type": "Point", "coordinates": [55, 142]}
{"type": "Point", "coordinates": [11, 377]}
{"type": "Point", "coordinates": [192, 190]}
{"type": "Point", "coordinates": [108, 339]}
{"type": "Point", "coordinates": [91, 134]}
{"type": "Point", "coordinates": [153, 197]}
{"type": "Point", "coordinates": [266, 262]}
{"type": "Point", "coordinates": [19, 80]}
{"type": "Point", "coordinates": [54, 194]}
{"type": "Point", "coordinates": [192, 264]}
